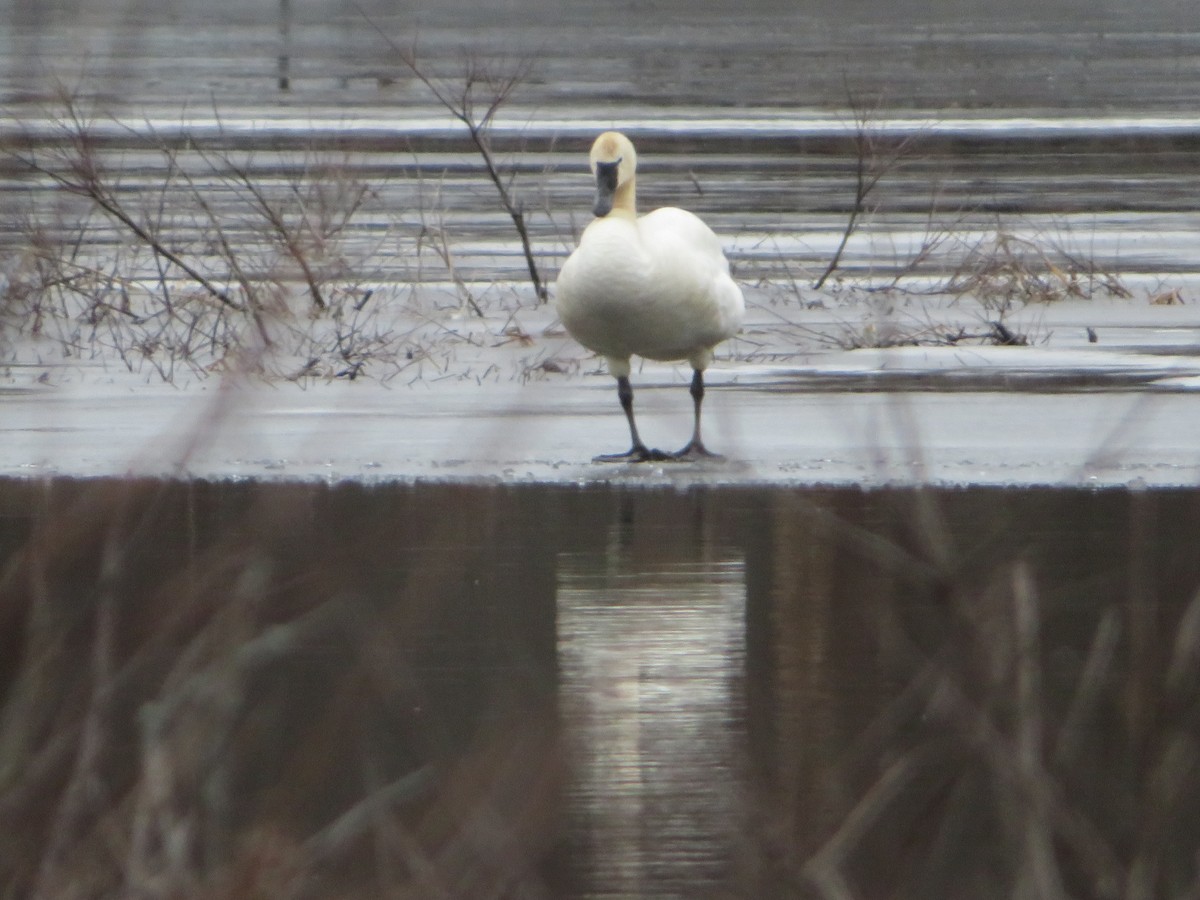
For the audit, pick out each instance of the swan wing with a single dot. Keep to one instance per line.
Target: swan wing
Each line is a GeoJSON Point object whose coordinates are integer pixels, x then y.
{"type": "Point", "coordinates": [692, 278]}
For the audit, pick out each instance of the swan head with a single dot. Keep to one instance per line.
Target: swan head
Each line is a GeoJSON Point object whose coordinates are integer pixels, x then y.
{"type": "Point", "coordinates": [614, 162]}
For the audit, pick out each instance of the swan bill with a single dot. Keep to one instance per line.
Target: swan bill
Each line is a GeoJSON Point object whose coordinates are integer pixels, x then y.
{"type": "Point", "coordinates": [606, 187]}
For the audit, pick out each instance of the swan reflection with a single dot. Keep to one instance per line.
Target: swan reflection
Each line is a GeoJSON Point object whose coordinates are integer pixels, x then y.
{"type": "Point", "coordinates": [651, 660]}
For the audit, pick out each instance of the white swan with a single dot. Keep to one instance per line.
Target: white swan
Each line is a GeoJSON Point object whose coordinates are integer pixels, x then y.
{"type": "Point", "coordinates": [656, 286]}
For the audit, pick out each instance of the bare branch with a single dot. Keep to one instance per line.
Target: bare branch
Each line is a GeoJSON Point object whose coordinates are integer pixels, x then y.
{"type": "Point", "coordinates": [89, 185]}
{"type": "Point", "coordinates": [463, 108]}
{"type": "Point", "coordinates": [870, 166]}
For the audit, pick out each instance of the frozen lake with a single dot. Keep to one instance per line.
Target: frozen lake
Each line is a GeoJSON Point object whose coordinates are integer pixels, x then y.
{"type": "Point", "coordinates": [943, 415]}
{"type": "Point", "coordinates": [322, 594]}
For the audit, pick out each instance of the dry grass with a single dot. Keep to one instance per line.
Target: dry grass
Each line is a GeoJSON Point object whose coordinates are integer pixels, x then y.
{"type": "Point", "coordinates": [1004, 271]}
{"type": "Point", "coordinates": [202, 696]}
{"type": "Point", "coordinates": [1038, 739]}
{"type": "Point", "coordinates": [983, 277]}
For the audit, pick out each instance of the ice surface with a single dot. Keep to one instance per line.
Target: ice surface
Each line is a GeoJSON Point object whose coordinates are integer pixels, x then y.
{"type": "Point", "coordinates": [1061, 411]}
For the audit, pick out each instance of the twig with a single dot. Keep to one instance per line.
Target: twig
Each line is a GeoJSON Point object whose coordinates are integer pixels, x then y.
{"type": "Point", "coordinates": [869, 168]}
{"type": "Point", "coordinates": [339, 834]}
{"type": "Point", "coordinates": [286, 236]}
{"type": "Point", "coordinates": [462, 107]}
{"type": "Point", "coordinates": [98, 194]}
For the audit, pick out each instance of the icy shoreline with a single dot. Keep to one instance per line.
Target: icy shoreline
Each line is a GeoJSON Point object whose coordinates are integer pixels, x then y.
{"type": "Point", "coordinates": [1121, 411]}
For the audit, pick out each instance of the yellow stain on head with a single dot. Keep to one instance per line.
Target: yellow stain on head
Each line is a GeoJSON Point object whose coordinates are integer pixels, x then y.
{"type": "Point", "coordinates": [609, 146]}
{"type": "Point", "coordinates": [614, 147]}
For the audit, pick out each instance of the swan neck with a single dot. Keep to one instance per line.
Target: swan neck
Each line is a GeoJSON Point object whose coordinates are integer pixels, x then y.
{"type": "Point", "coordinates": [625, 199]}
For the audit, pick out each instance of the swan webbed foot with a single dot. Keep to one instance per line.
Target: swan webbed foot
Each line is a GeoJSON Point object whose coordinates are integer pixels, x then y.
{"type": "Point", "coordinates": [695, 450]}
{"type": "Point", "coordinates": [635, 454]}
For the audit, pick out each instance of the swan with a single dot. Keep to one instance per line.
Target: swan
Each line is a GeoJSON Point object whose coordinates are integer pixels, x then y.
{"type": "Point", "coordinates": [656, 286]}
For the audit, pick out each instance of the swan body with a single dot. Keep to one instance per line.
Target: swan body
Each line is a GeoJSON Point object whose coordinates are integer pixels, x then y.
{"type": "Point", "coordinates": [656, 286]}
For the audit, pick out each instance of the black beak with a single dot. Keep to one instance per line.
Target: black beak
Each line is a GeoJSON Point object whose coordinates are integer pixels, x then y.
{"type": "Point", "coordinates": [606, 187]}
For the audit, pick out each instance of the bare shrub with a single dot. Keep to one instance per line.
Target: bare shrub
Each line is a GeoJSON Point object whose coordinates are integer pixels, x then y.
{"type": "Point", "coordinates": [474, 98]}
{"type": "Point", "coordinates": [1003, 270]}
{"type": "Point", "coordinates": [875, 156]}
{"type": "Point", "coordinates": [212, 262]}
{"type": "Point", "coordinates": [991, 274]}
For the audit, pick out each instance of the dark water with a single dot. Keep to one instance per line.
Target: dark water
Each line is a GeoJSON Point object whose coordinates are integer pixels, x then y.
{"type": "Point", "coordinates": [473, 691]}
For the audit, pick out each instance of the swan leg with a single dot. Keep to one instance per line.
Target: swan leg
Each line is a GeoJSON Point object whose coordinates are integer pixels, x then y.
{"type": "Point", "coordinates": [695, 448]}
{"type": "Point", "coordinates": [639, 452]}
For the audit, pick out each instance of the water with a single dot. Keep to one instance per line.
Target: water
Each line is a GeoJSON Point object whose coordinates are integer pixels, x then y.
{"type": "Point", "coordinates": [602, 692]}
{"type": "Point", "coordinates": [651, 651]}
{"type": "Point", "coordinates": [441, 689]}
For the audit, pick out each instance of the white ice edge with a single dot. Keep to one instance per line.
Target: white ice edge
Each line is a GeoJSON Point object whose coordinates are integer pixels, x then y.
{"type": "Point", "coordinates": [765, 123]}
